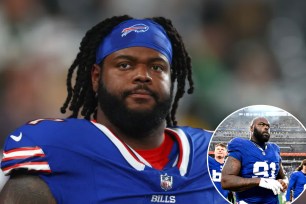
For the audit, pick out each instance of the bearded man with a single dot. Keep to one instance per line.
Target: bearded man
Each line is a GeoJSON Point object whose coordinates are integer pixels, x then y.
{"type": "Point", "coordinates": [253, 168]}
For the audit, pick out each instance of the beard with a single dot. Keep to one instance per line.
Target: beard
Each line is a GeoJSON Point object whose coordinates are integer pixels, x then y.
{"type": "Point", "coordinates": [135, 123]}
{"type": "Point", "coordinates": [260, 137]}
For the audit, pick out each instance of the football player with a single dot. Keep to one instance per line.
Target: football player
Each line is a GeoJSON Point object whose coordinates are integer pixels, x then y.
{"type": "Point", "coordinates": [253, 168]}
{"type": "Point", "coordinates": [127, 148]}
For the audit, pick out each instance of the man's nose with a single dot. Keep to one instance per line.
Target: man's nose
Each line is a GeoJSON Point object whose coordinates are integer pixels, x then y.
{"type": "Point", "coordinates": [142, 74]}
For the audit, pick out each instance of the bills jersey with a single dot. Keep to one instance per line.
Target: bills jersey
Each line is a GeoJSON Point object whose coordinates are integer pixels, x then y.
{"type": "Point", "coordinates": [256, 163]}
{"type": "Point", "coordinates": [84, 162]}
{"type": "Point", "coordinates": [215, 169]}
{"type": "Point", "coordinates": [297, 184]}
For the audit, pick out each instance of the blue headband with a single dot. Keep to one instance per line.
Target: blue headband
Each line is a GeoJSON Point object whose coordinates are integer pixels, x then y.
{"type": "Point", "coordinates": [132, 33]}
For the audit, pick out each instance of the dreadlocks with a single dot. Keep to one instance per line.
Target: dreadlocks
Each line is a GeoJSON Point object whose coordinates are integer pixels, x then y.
{"type": "Point", "coordinates": [82, 94]}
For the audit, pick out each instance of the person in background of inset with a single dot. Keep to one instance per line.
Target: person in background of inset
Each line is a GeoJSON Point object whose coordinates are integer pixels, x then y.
{"type": "Point", "coordinates": [253, 168]}
{"type": "Point", "coordinates": [297, 183]}
{"type": "Point", "coordinates": [216, 166]}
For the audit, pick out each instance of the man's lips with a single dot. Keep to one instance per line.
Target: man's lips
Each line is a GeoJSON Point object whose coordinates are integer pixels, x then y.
{"type": "Point", "coordinates": [141, 94]}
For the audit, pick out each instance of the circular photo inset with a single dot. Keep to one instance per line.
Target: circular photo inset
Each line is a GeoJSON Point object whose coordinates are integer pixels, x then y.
{"type": "Point", "coordinates": [258, 155]}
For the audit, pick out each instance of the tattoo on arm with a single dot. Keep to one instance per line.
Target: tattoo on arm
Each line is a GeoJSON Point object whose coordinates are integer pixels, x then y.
{"type": "Point", "coordinates": [231, 179]}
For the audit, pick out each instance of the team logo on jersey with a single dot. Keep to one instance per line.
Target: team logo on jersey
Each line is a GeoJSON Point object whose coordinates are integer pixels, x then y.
{"type": "Point", "coordinates": [137, 28]}
{"type": "Point", "coordinates": [166, 182]}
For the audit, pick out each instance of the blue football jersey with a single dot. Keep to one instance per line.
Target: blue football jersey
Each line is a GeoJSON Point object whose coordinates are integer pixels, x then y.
{"type": "Point", "coordinates": [84, 162]}
{"type": "Point", "coordinates": [256, 163]}
{"type": "Point", "coordinates": [215, 169]}
{"type": "Point", "coordinates": [297, 183]}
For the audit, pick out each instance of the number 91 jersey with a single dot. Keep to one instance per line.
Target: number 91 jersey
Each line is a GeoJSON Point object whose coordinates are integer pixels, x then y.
{"type": "Point", "coordinates": [256, 163]}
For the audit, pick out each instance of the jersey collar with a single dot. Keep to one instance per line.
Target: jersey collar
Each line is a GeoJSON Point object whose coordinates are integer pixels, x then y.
{"type": "Point", "coordinates": [138, 162]}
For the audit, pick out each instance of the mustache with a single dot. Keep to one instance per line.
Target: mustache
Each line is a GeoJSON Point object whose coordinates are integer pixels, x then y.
{"type": "Point", "coordinates": [140, 87]}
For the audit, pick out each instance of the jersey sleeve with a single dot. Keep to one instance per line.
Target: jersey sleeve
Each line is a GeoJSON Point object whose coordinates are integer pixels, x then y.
{"type": "Point", "coordinates": [21, 151]}
{"type": "Point", "coordinates": [275, 147]}
{"type": "Point", "coordinates": [234, 148]}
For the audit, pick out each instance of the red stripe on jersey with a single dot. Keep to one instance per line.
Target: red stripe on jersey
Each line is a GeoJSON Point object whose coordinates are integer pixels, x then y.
{"type": "Point", "coordinates": [43, 171]}
{"type": "Point", "coordinates": [22, 149]}
{"type": "Point", "coordinates": [15, 166]}
{"type": "Point", "coordinates": [23, 157]}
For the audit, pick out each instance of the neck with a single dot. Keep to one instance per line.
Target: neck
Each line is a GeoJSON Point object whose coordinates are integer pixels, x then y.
{"type": "Point", "coordinates": [261, 144]}
{"type": "Point", "coordinates": [144, 140]}
{"type": "Point", "coordinates": [220, 160]}
{"type": "Point", "coordinates": [304, 170]}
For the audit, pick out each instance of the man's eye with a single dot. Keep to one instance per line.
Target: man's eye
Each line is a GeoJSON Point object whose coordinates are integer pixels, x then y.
{"type": "Point", "coordinates": [158, 68]}
{"type": "Point", "coordinates": [124, 66]}
{"type": "Point", "coordinates": [263, 124]}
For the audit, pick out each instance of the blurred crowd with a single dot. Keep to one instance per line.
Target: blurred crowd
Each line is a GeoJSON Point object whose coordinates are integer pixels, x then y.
{"type": "Point", "coordinates": [244, 53]}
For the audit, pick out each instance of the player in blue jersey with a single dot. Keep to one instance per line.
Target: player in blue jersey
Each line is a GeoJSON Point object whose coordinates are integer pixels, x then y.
{"type": "Point", "coordinates": [253, 168]}
{"type": "Point", "coordinates": [216, 166]}
{"type": "Point", "coordinates": [297, 183]}
{"type": "Point", "coordinates": [126, 82]}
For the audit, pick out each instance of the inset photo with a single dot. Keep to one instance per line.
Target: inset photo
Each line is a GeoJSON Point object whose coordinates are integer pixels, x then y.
{"type": "Point", "coordinates": [258, 155]}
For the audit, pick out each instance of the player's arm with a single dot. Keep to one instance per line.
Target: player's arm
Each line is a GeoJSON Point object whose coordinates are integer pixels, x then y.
{"type": "Point", "coordinates": [230, 179]}
{"type": "Point", "coordinates": [26, 189]}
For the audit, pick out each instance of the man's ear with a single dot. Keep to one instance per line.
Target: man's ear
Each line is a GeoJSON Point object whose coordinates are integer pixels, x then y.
{"type": "Point", "coordinates": [95, 77]}
{"type": "Point", "coordinates": [252, 128]}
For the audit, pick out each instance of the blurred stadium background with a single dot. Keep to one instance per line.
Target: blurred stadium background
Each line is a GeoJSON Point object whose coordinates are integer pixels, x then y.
{"type": "Point", "coordinates": [244, 53]}
{"type": "Point", "coordinates": [286, 131]}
